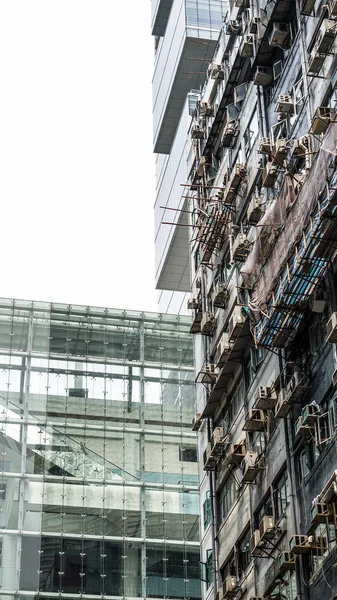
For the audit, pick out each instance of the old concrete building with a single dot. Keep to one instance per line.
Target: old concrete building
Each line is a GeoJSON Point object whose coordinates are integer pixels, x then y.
{"type": "Point", "coordinates": [260, 234]}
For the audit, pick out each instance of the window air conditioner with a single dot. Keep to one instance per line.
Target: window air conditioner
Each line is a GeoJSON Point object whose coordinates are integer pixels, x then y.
{"type": "Point", "coordinates": [285, 104]}
{"type": "Point", "coordinates": [192, 304]}
{"type": "Point", "coordinates": [279, 34]}
{"type": "Point", "coordinates": [206, 109]}
{"type": "Point", "coordinates": [207, 323]}
{"type": "Point", "coordinates": [301, 429]}
{"type": "Point", "coordinates": [223, 350]}
{"type": "Point", "coordinates": [307, 7]}
{"type": "Point", "coordinates": [241, 247]}
{"type": "Point", "coordinates": [218, 440]}
{"type": "Point", "coordinates": [310, 414]}
{"type": "Point", "coordinates": [286, 562]}
{"type": "Point", "coordinates": [326, 37]}
{"type": "Point", "coordinates": [238, 173]}
{"type": "Point", "coordinates": [209, 374]}
{"type": "Point", "coordinates": [230, 132]}
{"type": "Point", "coordinates": [234, 26]}
{"type": "Point", "coordinates": [235, 323]}
{"type": "Point", "coordinates": [217, 71]}
{"type": "Point", "coordinates": [269, 174]}
{"type": "Point", "coordinates": [247, 46]}
{"type": "Point", "coordinates": [301, 146]}
{"type": "Point", "coordinates": [210, 460]}
{"type": "Point", "coordinates": [299, 544]}
{"type": "Point", "coordinates": [220, 295]}
{"type": "Point", "coordinates": [265, 398]}
{"type": "Point", "coordinates": [321, 120]}
{"type": "Point", "coordinates": [197, 130]}
{"type": "Point", "coordinates": [280, 150]}
{"type": "Point", "coordinates": [283, 407]}
{"type": "Point", "coordinates": [235, 455]}
{"type": "Point", "coordinates": [296, 386]}
{"type": "Point", "coordinates": [267, 528]}
{"type": "Point", "coordinates": [255, 547]}
{"type": "Point", "coordinates": [249, 467]}
{"type": "Point", "coordinates": [252, 27]}
{"type": "Point", "coordinates": [315, 63]}
{"type": "Point", "coordinates": [230, 587]}
{"type": "Point", "coordinates": [265, 146]}
{"type": "Point", "coordinates": [196, 422]}
{"type": "Point", "coordinates": [320, 513]}
{"type": "Point", "coordinates": [333, 8]}
{"type": "Point", "coordinates": [255, 210]}
{"type": "Point", "coordinates": [263, 76]}
{"type": "Point", "coordinates": [255, 420]}
{"type": "Point", "coordinates": [303, 544]}
{"type": "Point", "coordinates": [331, 329]}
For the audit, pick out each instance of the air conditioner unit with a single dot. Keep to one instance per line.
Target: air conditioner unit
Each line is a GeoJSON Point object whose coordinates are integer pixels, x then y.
{"type": "Point", "coordinates": [209, 373]}
{"type": "Point", "coordinates": [283, 407]}
{"type": "Point", "coordinates": [192, 304]}
{"type": "Point", "coordinates": [207, 323]}
{"type": "Point", "coordinates": [333, 8]}
{"type": "Point", "coordinates": [220, 295]}
{"type": "Point", "coordinates": [247, 46]}
{"type": "Point", "coordinates": [285, 104]}
{"type": "Point", "coordinates": [331, 329]}
{"type": "Point", "coordinates": [223, 350]}
{"type": "Point", "coordinates": [218, 440]}
{"type": "Point", "coordinates": [256, 548]}
{"type": "Point", "coordinates": [286, 562]}
{"type": "Point", "coordinates": [235, 323]}
{"type": "Point", "coordinates": [217, 71]}
{"type": "Point", "coordinates": [230, 587]}
{"type": "Point", "coordinates": [238, 174]}
{"type": "Point", "coordinates": [234, 26]}
{"type": "Point", "coordinates": [265, 398]}
{"type": "Point", "coordinates": [203, 162]}
{"type": "Point", "coordinates": [196, 422]}
{"type": "Point", "coordinates": [326, 37]}
{"type": "Point", "coordinates": [315, 63]}
{"type": "Point", "coordinates": [235, 455]}
{"type": "Point", "coordinates": [279, 151]}
{"type": "Point", "coordinates": [320, 513]}
{"type": "Point", "coordinates": [301, 429]}
{"type": "Point", "coordinates": [249, 467]}
{"type": "Point", "coordinates": [210, 460]}
{"type": "Point", "coordinates": [252, 27]}
{"type": "Point", "coordinates": [269, 174]}
{"type": "Point", "coordinates": [299, 544]}
{"type": "Point", "coordinates": [206, 109]}
{"type": "Point", "coordinates": [255, 210]}
{"type": "Point", "coordinates": [301, 146]}
{"type": "Point", "coordinates": [307, 7]}
{"type": "Point", "coordinates": [310, 414]}
{"type": "Point", "coordinates": [230, 132]}
{"type": "Point", "coordinates": [267, 528]}
{"type": "Point", "coordinates": [255, 420]}
{"type": "Point", "coordinates": [197, 130]}
{"type": "Point", "coordinates": [296, 386]}
{"type": "Point", "coordinates": [279, 34]}
{"type": "Point", "coordinates": [265, 146]}
{"type": "Point", "coordinates": [263, 76]}
{"type": "Point", "coordinates": [241, 247]}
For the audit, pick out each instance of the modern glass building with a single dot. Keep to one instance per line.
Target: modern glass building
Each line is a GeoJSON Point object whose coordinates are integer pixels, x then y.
{"type": "Point", "coordinates": [98, 475]}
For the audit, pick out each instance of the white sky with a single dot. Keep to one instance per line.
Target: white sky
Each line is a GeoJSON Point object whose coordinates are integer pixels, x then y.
{"type": "Point", "coordinates": [76, 163]}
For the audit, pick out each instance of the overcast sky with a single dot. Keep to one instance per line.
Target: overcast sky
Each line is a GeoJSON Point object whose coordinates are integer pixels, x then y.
{"type": "Point", "coordinates": [76, 163]}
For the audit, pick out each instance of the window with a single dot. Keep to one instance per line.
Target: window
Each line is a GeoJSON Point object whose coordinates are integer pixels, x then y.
{"type": "Point", "coordinates": [266, 508]}
{"type": "Point", "coordinates": [281, 495]}
{"type": "Point", "coordinates": [207, 510]}
{"type": "Point", "coordinates": [228, 496]}
{"type": "Point", "coordinates": [188, 454]}
{"type": "Point", "coordinates": [209, 567]}
{"type": "Point", "coordinates": [304, 468]}
{"type": "Point", "coordinates": [244, 556]}
{"type": "Point", "coordinates": [251, 133]}
{"type": "Point", "coordinates": [286, 587]}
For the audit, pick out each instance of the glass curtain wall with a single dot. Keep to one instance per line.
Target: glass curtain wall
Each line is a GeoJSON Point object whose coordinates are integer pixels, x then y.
{"type": "Point", "coordinates": [98, 463]}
